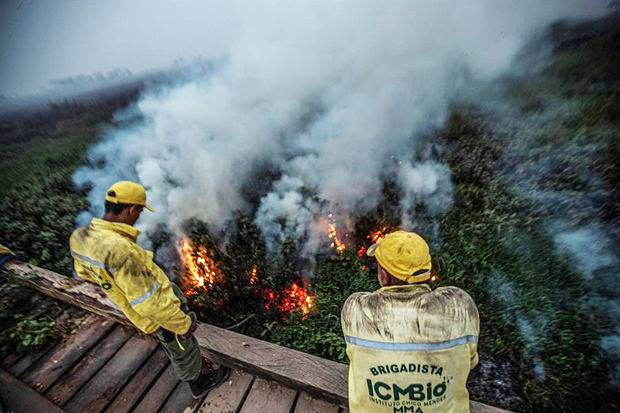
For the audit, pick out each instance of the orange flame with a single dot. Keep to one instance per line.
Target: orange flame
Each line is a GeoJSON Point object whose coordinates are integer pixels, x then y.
{"type": "Point", "coordinates": [378, 235]}
{"type": "Point", "coordinates": [290, 299]}
{"type": "Point", "coordinates": [254, 275]}
{"type": "Point", "coordinates": [201, 268]}
{"type": "Point", "coordinates": [332, 234]}
{"type": "Point", "coordinates": [296, 298]}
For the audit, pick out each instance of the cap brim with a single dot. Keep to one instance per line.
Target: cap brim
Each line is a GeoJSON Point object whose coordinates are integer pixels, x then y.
{"type": "Point", "coordinates": [371, 250]}
{"type": "Point", "coordinates": [149, 208]}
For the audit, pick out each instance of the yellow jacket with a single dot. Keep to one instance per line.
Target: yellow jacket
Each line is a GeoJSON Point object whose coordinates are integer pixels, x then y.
{"type": "Point", "coordinates": [106, 253]}
{"type": "Point", "coordinates": [411, 349]}
{"type": "Point", "coordinates": [5, 251]}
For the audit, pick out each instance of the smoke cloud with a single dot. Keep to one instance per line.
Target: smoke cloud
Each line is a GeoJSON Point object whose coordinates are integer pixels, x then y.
{"type": "Point", "coordinates": [326, 98]}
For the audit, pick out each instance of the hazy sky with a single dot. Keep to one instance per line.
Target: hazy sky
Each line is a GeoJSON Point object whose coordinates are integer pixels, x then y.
{"type": "Point", "coordinates": [43, 40]}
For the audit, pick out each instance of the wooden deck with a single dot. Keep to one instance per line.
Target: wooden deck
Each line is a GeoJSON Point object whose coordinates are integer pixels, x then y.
{"type": "Point", "coordinates": [108, 367]}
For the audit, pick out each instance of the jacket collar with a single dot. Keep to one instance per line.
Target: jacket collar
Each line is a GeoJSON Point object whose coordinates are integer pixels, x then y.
{"type": "Point", "coordinates": [410, 287]}
{"type": "Point", "coordinates": [122, 229]}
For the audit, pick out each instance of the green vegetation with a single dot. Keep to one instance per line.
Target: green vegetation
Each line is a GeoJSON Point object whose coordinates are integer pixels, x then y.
{"type": "Point", "coordinates": [531, 299]}
{"type": "Point", "coordinates": [320, 332]}
{"type": "Point", "coordinates": [21, 330]}
{"type": "Point", "coordinates": [39, 205]}
{"type": "Point", "coordinates": [37, 198]}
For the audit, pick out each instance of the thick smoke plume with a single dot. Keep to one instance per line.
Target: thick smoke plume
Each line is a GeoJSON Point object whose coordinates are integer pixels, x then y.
{"type": "Point", "coordinates": [324, 100]}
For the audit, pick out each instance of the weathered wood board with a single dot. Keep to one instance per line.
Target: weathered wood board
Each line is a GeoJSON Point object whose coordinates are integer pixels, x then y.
{"type": "Point", "coordinates": [328, 380]}
{"type": "Point", "coordinates": [289, 367]}
{"type": "Point", "coordinates": [24, 363]}
{"type": "Point", "coordinates": [108, 381]}
{"type": "Point", "coordinates": [159, 392]}
{"type": "Point", "coordinates": [139, 384]}
{"type": "Point", "coordinates": [72, 381]}
{"type": "Point", "coordinates": [308, 404]}
{"type": "Point", "coordinates": [229, 396]}
{"type": "Point", "coordinates": [269, 396]}
{"type": "Point", "coordinates": [54, 363]}
{"type": "Point", "coordinates": [180, 397]}
{"type": "Point", "coordinates": [483, 408]}
{"type": "Point", "coordinates": [18, 397]}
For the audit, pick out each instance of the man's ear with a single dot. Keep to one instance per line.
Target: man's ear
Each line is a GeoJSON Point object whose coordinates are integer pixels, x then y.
{"type": "Point", "coordinates": [384, 277]}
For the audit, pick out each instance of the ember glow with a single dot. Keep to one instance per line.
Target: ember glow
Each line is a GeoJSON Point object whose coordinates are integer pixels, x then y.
{"type": "Point", "coordinates": [202, 274]}
{"type": "Point", "coordinates": [361, 251]}
{"type": "Point", "coordinates": [332, 234]}
{"type": "Point", "coordinates": [202, 271]}
{"type": "Point", "coordinates": [291, 299]}
{"type": "Point", "coordinates": [254, 275]}
{"type": "Point", "coordinates": [378, 235]}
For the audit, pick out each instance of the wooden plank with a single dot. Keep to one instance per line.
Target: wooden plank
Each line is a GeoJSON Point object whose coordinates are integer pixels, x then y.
{"type": "Point", "coordinates": [102, 388]}
{"type": "Point", "coordinates": [289, 367]}
{"type": "Point", "coordinates": [53, 364]}
{"type": "Point", "coordinates": [67, 385]}
{"type": "Point", "coordinates": [77, 292]}
{"type": "Point", "coordinates": [328, 379]}
{"type": "Point", "coordinates": [308, 404]}
{"type": "Point", "coordinates": [139, 383]}
{"type": "Point", "coordinates": [18, 397]}
{"type": "Point", "coordinates": [11, 359]}
{"type": "Point", "coordinates": [30, 358]}
{"type": "Point", "coordinates": [229, 396]}
{"type": "Point", "coordinates": [269, 396]}
{"type": "Point", "coordinates": [483, 408]}
{"type": "Point", "coordinates": [160, 391]}
{"type": "Point", "coordinates": [180, 399]}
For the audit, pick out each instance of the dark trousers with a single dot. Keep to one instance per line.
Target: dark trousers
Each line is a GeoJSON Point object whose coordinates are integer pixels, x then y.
{"type": "Point", "coordinates": [187, 363]}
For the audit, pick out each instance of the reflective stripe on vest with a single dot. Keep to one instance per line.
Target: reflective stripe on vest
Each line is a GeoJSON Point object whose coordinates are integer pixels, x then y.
{"type": "Point", "coordinates": [93, 262]}
{"type": "Point", "coordinates": [145, 296]}
{"type": "Point", "coordinates": [380, 345]}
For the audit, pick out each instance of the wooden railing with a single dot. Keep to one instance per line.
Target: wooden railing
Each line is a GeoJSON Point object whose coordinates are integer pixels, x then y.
{"type": "Point", "coordinates": [319, 377]}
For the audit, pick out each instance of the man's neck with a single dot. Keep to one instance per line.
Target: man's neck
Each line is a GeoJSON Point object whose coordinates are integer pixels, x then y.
{"type": "Point", "coordinates": [114, 218]}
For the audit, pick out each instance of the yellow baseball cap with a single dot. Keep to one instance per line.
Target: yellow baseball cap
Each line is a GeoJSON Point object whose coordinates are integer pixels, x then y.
{"type": "Point", "coordinates": [127, 192]}
{"type": "Point", "coordinates": [402, 254]}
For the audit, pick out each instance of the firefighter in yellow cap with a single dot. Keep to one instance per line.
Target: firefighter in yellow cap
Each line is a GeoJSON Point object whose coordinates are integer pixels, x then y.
{"type": "Point", "coordinates": [411, 348]}
{"type": "Point", "coordinates": [106, 253]}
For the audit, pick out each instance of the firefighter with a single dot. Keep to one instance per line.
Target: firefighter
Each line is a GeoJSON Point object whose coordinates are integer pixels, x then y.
{"type": "Point", "coordinates": [106, 253]}
{"type": "Point", "coordinates": [411, 348]}
{"type": "Point", "coordinates": [5, 255]}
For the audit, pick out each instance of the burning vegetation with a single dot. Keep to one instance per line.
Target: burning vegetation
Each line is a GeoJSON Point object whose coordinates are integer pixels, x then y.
{"type": "Point", "coordinates": [332, 234]}
{"type": "Point", "coordinates": [209, 288]}
{"type": "Point", "coordinates": [201, 270]}
{"type": "Point", "coordinates": [202, 275]}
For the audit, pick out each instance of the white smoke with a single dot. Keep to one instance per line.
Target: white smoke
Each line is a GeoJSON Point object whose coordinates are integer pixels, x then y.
{"type": "Point", "coordinates": [427, 183]}
{"type": "Point", "coordinates": [324, 93]}
{"type": "Point", "coordinates": [596, 257]}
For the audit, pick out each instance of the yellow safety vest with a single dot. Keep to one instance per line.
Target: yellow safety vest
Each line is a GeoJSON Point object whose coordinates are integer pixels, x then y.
{"type": "Point", "coordinates": [106, 253]}
{"type": "Point", "coordinates": [411, 349]}
{"type": "Point", "coordinates": [5, 251]}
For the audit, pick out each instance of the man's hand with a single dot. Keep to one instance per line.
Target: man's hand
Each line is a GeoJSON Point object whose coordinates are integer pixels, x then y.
{"type": "Point", "coordinates": [193, 326]}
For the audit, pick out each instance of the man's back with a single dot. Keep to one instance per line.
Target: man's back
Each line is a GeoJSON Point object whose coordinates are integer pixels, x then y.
{"type": "Point", "coordinates": [411, 349]}
{"type": "Point", "coordinates": [106, 253]}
